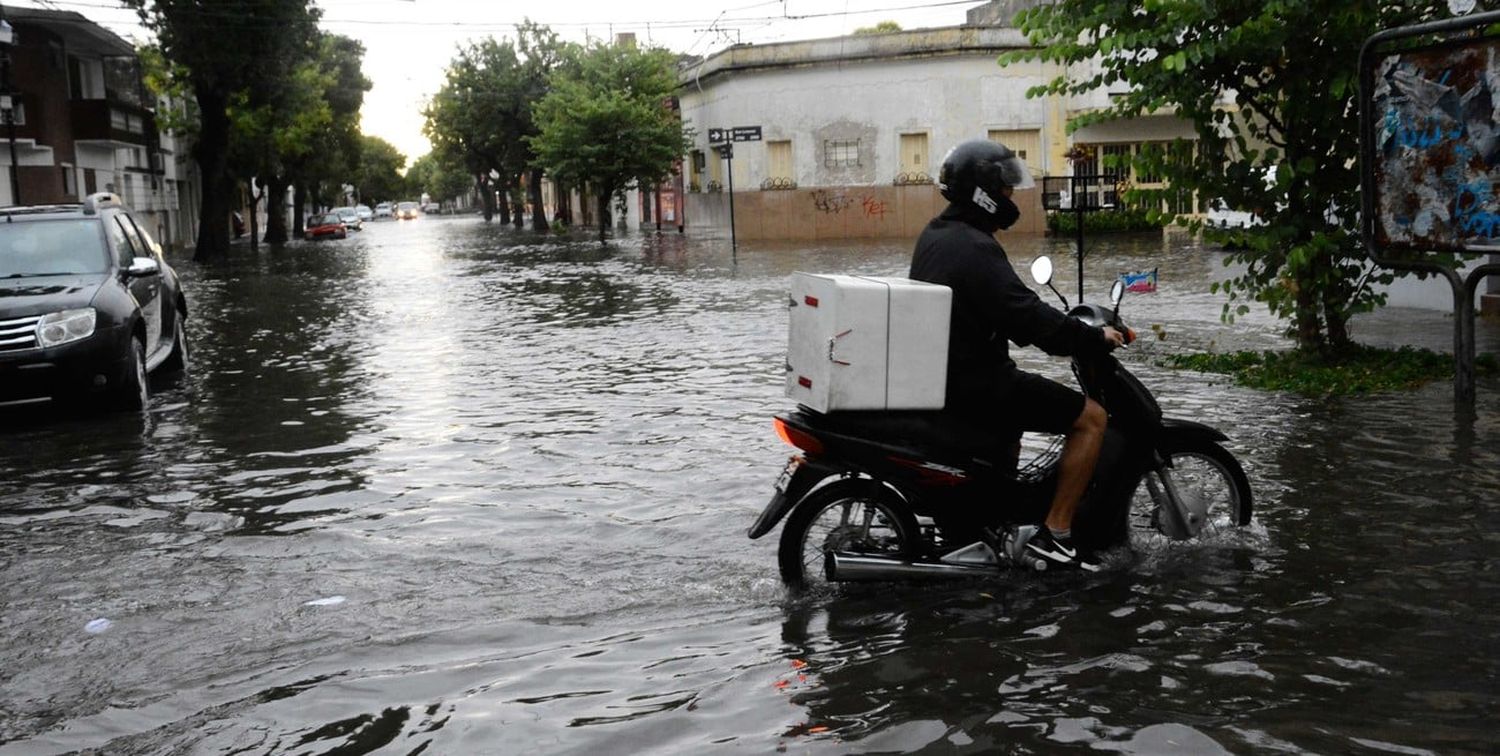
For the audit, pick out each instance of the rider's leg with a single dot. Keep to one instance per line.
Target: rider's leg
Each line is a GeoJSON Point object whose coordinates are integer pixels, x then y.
{"type": "Point", "coordinates": [1079, 453]}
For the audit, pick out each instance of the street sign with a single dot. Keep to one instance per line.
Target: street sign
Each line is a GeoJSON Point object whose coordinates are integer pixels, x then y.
{"type": "Point", "coordinates": [716, 136]}
{"type": "Point", "coordinates": [725, 150]}
{"type": "Point", "coordinates": [745, 134]}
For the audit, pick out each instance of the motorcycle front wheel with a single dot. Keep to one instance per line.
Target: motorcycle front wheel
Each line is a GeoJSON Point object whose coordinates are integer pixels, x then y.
{"type": "Point", "coordinates": [854, 516]}
{"type": "Point", "coordinates": [1208, 478]}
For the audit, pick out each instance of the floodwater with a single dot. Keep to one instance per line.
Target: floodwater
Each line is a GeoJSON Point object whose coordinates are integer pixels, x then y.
{"type": "Point", "coordinates": [448, 488]}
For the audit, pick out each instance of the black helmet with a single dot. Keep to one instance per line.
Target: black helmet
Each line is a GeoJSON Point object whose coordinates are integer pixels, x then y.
{"type": "Point", "coordinates": [975, 171]}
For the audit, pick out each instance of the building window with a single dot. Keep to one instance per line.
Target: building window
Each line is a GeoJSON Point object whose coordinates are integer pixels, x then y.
{"type": "Point", "coordinates": [70, 181]}
{"type": "Point", "coordinates": [779, 160]}
{"type": "Point", "coordinates": [17, 112]}
{"type": "Point", "coordinates": [1116, 159]}
{"type": "Point", "coordinates": [841, 153]}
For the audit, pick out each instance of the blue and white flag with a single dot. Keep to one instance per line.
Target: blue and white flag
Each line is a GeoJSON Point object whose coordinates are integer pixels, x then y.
{"type": "Point", "coordinates": [1143, 282]}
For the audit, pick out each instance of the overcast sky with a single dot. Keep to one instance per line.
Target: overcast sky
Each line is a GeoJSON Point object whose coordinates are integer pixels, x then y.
{"type": "Point", "coordinates": [409, 42]}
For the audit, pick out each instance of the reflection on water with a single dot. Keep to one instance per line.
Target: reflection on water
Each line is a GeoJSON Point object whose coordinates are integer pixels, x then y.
{"type": "Point", "coordinates": [447, 486]}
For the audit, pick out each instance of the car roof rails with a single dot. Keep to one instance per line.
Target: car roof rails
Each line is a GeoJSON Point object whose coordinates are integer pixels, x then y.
{"type": "Point", "coordinates": [97, 201]}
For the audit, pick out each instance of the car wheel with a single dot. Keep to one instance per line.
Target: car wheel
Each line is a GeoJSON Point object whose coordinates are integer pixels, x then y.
{"type": "Point", "coordinates": [134, 389]}
{"type": "Point", "coordinates": [179, 360]}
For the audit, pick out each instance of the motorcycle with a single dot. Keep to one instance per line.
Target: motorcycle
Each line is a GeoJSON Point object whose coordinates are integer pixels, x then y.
{"type": "Point", "coordinates": [914, 495]}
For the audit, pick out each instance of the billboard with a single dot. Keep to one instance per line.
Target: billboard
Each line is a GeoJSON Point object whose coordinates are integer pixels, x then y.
{"type": "Point", "coordinates": [1432, 147]}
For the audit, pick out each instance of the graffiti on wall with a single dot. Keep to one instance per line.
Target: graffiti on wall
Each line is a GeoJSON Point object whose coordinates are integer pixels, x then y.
{"type": "Point", "coordinates": [833, 202]}
{"type": "Point", "coordinates": [1437, 149]}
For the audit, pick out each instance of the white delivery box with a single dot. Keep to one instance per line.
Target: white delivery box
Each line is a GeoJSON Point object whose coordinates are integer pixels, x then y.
{"type": "Point", "coordinates": [862, 343]}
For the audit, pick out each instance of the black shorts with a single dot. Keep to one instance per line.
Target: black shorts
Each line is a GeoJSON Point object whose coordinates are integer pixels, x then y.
{"type": "Point", "coordinates": [1032, 403]}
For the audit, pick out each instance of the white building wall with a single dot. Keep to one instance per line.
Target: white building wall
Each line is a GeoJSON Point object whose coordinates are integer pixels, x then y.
{"type": "Point", "coordinates": [1435, 293]}
{"type": "Point", "coordinates": [949, 99]}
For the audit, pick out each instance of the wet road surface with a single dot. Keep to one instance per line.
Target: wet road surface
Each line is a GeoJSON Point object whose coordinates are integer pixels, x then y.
{"type": "Point", "coordinates": [447, 488]}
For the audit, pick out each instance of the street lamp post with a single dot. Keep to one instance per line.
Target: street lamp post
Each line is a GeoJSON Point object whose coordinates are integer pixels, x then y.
{"type": "Point", "coordinates": [8, 105]}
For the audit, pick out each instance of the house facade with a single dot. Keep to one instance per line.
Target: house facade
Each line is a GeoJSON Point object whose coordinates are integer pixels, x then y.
{"type": "Point", "coordinates": [85, 123]}
{"type": "Point", "coordinates": [853, 129]}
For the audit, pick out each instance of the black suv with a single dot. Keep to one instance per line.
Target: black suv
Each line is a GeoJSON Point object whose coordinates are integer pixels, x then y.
{"type": "Point", "coordinates": [87, 304]}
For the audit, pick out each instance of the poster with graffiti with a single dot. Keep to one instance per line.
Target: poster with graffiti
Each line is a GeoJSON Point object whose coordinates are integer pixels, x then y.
{"type": "Point", "coordinates": [1436, 147]}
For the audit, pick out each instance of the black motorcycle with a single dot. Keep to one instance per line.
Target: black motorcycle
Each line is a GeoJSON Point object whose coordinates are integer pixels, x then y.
{"type": "Point", "coordinates": [877, 496]}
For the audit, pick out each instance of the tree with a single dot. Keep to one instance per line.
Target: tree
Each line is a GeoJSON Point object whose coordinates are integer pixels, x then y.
{"type": "Point", "coordinates": [442, 180]}
{"type": "Point", "coordinates": [880, 27]}
{"type": "Point", "coordinates": [465, 119]}
{"type": "Point", "coordinates": [606, 121]}
{"type": "Point", "coordinates": [1271, 90]}
{"type": "Point", "coordinates": [332, 157]}
{"type": "Point", "coordinates": [243, 51]}
{"type": "Point", "coordinates": [379, 176]}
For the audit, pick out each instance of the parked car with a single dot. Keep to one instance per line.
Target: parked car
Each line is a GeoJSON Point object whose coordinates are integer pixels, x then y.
{"type": "Point", "coordinates": [88, 306]}
{"type": "Point", "coordinates": [384, 210]}
{"type": "Point", "coordinates": [407, 211]}
{"type": "Point", "coordinates": [325, 226]}
{"type": "Point", "coordinates": [350, 218]}
{"type": "Point", "coordinates": [365, 213]}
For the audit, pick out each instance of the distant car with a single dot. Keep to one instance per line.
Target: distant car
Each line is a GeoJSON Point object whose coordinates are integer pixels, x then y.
{"type": "Point", "coordinates": [1221, 216]}
{"type": "Point", "coordinates": [88, 306]}
{"type": "Point", "coordinates": [350, 218]}
{"type": "Point", "coordinates": [365, 213]}
{"type": "Point", "coordinates": [407, 211]}
{"type": "Point", "coordinates": [383, 210]}
{"type": "Point", "coordinates": [325, 226]}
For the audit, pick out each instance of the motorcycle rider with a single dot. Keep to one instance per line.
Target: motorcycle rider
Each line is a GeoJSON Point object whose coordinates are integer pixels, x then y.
{"type": "Point", "coordinates": [991, 306]}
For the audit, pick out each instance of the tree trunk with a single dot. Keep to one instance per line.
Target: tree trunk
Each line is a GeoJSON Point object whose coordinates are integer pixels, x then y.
{"type": "Point", "coordinates": [564, 197]}
{"type": "Point", "coordinates": [534, 190]}
{"type": "Point", "coordinates": [603, 214]}
{"type": "Point", "coordinates": [299, 200]}
{"type": "Point", "coordinates": [276, 210]}
{"type": "Point", "coordinates": [504, 195]}
{"type": "Point", "coordinates": [212, 155]}
{"type": "Point", "coordinates": [486, 197]}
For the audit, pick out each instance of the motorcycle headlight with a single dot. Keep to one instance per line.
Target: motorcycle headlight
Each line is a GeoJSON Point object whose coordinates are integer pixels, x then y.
{"type": "Point", "coordinates": [65, 327]}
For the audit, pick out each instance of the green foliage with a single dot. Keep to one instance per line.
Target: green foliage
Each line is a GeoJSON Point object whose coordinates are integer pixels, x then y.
{"type": "Point", "coordinates": [1065, 222]}
{"type": "Point", "coordinates": [481, 118]}
{"type": "Point", "coordinates": [379, 176]}
{"type": "Point", "coordinates": [1353, 370]}
{"type": "Point", "coordinates": [1271, 90]}
{"type": "Point", "coordinates": [606, 120]}
{"type": "Point", "coordinates": [881, 27]}
{"type": "Point", "coordinates": [443, 180]}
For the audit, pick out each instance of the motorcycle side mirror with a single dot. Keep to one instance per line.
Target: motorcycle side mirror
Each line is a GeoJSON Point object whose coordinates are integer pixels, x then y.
{"type": "Point", "coordinates": [1116, 293]}
{"type": "Point", "coordinates": [1041, 270]}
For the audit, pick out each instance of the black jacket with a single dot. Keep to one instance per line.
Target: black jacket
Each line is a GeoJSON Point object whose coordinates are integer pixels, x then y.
{"type": "Point", "coordinates": [991, 306]}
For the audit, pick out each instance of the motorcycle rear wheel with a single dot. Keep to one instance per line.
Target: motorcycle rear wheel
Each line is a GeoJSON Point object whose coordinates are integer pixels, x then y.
{"type": "Point", "coordinates": [1199, 468]}
{"type": "Point", "coordinates": [854, 515]}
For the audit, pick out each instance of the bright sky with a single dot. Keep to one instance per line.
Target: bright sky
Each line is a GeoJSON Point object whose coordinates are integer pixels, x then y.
{"type": "Point", "coordinates": [408, 43]}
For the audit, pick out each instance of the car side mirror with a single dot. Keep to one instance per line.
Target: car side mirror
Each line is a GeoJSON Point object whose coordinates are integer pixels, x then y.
{"type": "Point", "coordinates": [1041, 270]}
{"type": "Point", "coordinates": [141, 267]}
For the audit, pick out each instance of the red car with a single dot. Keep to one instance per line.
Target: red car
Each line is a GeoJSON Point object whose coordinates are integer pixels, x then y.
{"type": "Point", "coordinates": [325, 227]}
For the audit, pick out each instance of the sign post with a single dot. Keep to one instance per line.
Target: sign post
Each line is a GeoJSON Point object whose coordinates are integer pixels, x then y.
{"type": "Point", "coordinates": [722, 140]}
{"type": "Point", "coordinates": [1426, 176]}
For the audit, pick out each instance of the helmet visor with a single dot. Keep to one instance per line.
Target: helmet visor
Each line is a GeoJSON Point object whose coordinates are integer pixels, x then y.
{"type": "Point", "coordinates": [1015, 174]}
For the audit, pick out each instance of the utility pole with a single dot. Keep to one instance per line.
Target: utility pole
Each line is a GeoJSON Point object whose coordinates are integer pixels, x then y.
{"type": "Point", "coordinates": [8, 103]}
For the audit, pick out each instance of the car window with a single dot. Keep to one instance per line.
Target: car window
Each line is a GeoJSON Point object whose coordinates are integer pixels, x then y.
{"type": "Point", "coordinates": [119, 242]}
{"type": "Point", "coordinates": [138, 246]}
{"type": "Point", "coordinates": [50, 248]}
{"type": "Point", "coordinates": [146, 238]}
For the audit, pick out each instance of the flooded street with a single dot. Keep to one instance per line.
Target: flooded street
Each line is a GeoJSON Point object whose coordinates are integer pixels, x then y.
{"type": "Point", "coordinates": [448, 488]}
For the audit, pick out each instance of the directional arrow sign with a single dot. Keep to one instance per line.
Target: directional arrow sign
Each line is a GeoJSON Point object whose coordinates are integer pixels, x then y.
{"type": "Point", "coordinates": [716, 136]}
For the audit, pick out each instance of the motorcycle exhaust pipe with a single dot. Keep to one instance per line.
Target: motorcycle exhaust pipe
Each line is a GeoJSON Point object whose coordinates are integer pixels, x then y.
{"type": "Point", "coordinates": [854, 568]}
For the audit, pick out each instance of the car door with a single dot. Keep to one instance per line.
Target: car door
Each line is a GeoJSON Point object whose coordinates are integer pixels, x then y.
{"type": "Point", "coordinates": [145, 289]}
